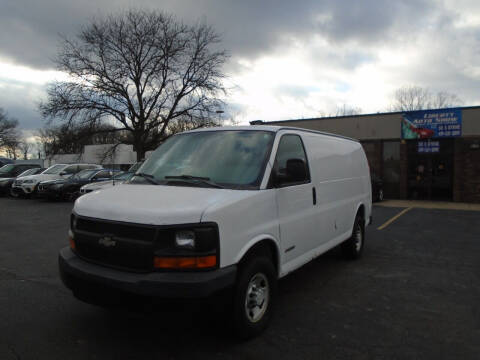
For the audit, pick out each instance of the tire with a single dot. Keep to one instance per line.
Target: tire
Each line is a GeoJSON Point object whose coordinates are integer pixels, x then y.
{"type": "Point", "coordinates": [353, 247]}
{"type": "Point", "coordinates": [256, 277]}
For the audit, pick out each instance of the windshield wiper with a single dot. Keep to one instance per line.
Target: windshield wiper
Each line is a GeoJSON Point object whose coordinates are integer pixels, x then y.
{"type": "Point", "coordinates": [148, 177]}
{"type": "Point", "coordinates": [200, 179]}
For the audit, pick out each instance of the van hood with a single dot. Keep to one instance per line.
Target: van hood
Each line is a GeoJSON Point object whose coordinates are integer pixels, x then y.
{"type": "Point", "coordinates": [154, 204]}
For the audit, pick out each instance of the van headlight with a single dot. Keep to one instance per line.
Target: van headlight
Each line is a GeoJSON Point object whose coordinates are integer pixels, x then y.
{"type": "Point", "coordinates": [185, 239]}
{"type": "Point", "coordinates": [189, 247]}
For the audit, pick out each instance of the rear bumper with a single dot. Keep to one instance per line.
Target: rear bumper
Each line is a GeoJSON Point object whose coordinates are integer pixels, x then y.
{"type": "Point", "coordinates": [76, 272]}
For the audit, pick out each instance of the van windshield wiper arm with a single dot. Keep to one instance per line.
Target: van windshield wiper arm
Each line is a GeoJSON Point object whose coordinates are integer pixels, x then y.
{"type": "Point", "coordinates": [201, 179]}
{"type": "Point", "coordinates": [148, 177]}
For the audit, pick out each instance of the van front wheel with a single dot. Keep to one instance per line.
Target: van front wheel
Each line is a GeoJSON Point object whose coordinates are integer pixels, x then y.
{"type": "Point", "coordinates": [254, 297]}
{"type": "Point", "coordinates": [353, 247]}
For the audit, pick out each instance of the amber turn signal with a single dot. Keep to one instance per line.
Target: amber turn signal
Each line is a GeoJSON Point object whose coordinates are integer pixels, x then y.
{"type": "Point", "coordinates": [194, 262]}
{"type": "Point", "coordinates": [71, 240]}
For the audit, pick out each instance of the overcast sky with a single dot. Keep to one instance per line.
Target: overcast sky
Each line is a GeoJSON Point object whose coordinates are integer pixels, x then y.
{"type": "Point", "coordinates": [289, 59]}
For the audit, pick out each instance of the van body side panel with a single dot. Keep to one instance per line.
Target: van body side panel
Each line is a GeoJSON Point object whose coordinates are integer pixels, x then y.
{"type": "Point", "coordinates": [338, 182]}
{"type": "Point", "coordinates": [340, 175]}
{"type": "Point", "coordinates": [297, 218]}
{"type": "Point", "coordinates": [243, 222]}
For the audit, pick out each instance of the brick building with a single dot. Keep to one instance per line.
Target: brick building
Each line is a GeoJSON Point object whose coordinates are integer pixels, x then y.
{"type": "Point", "coordinates": [431, 154]}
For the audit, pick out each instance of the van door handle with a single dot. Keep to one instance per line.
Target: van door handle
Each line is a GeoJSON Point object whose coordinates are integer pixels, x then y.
{"type": "Point", "coordinates": [314, 195]}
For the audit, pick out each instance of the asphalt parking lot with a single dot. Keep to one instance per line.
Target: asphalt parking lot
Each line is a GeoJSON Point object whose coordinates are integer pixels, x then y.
{"type": "Point", "coordinates": [415, 294]}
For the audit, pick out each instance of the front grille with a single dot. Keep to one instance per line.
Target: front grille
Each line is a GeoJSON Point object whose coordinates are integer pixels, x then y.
{"type": "Point", "coordinates": [117, 244]}
{"type": "Point", "coordinates": [118, 229]}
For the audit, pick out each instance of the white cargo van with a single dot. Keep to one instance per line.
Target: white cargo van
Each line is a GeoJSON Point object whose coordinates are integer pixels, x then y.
{"type": "Point", "coordinates": [221, 208]}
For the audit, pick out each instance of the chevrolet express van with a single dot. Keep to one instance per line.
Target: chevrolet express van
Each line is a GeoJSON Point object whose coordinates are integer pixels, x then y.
{"type": "Point", "coordinates": [231, 208]}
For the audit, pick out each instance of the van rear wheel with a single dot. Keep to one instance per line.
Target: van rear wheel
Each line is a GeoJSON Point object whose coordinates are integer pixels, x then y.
{"type": "Point", "coordinates": [254, 297]}
{"type": "Point", "coordinates": [353, 247]}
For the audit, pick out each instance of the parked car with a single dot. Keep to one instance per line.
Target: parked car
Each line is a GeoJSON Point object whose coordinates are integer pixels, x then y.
{"type": "Point", "coordinates": [377, 188]}
{"type": "Point", "coordinates": [6, 183]}
{"type": "Point", "coordinates": [28, 184]}
{"type": "Point", "coordinates": [221, 208]}
{"type": "Point", "coordinates": [68, 189]}
{"type": "Point", "coordinates": [5, 161]}
{"type": "Point", "coordinates": [13, 170]}
{"type": "Point", "coordinates": [117, 180]}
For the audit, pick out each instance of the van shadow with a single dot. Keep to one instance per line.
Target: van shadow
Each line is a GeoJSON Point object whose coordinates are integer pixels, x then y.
{"type": "Point", "coordinates": [195, 327]}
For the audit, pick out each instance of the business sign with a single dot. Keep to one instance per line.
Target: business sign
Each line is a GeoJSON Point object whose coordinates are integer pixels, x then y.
{"type": "Point", "coordinates": [428, 146]}
{"type": "Point", "coordinates": [427, 124]}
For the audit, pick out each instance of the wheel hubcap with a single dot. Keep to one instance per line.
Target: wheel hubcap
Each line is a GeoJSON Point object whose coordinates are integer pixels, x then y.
{"type": "Point", "coordinates": [358, 238]}
{"type": "Point", "coordinates": [258, 296]}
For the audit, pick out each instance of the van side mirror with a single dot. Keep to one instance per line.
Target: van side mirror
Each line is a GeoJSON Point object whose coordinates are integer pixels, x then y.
{"type": "Point", "coordinates": [296, 170]}
{"type": "Point", "coordinates": [63, 173]}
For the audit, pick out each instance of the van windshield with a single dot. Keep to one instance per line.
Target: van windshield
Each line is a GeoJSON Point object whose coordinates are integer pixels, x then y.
{"type": "Point", "coordinates": [222, 158]}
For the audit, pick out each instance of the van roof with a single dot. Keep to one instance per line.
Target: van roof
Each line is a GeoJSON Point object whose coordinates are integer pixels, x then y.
{"type": "Point", "coordinates": [269, 128]}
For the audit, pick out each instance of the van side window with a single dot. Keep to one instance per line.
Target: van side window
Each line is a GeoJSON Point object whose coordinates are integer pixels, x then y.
{"type": "Point", "coordinates": [291, 165]}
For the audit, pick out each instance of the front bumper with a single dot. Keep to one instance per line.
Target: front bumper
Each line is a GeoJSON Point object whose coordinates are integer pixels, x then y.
{"type": "Point", "coordinates": [76, 272]}
{"type": "Point", "coordinates": [5, 188]}
{"type": "Point", "coordinates": [48, 192]}
{"type": "Point", "coordinates": [24, 189]}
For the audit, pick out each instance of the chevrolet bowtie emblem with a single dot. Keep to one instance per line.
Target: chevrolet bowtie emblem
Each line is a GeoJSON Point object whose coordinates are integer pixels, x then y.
{"type": "Point", "coordinates": [107, 241]}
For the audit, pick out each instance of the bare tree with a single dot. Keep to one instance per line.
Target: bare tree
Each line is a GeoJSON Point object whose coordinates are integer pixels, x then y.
{"type": "Point", "coordinates": [140, 70]}
{"type": "Point", "coordinates": [70, 138]}
{"type": "Point", "coordinates": [347, 110]}
{"type": "Point", "coordinates": [11, 146]}
{"type": "Point", "coordinates": [9, 134]}
{"type": "Point", "coordinates": [24, 146]}
{"type": "Point", "coordinates": [410, 98]}
{"type": "Point", "coordinates": [443, 99]}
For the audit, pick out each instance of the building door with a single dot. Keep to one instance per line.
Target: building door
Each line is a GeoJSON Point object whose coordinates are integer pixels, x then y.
{"type": "Point", "coordinates": [430, 169]}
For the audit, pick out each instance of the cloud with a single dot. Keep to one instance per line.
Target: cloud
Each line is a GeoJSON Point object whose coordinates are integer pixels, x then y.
{"type": "Point", "coordinates": [29, 28]}
{"type": "Point", "coordinates": [288, 59]}
{"type": "Point", "coordinates": [20, 100]}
